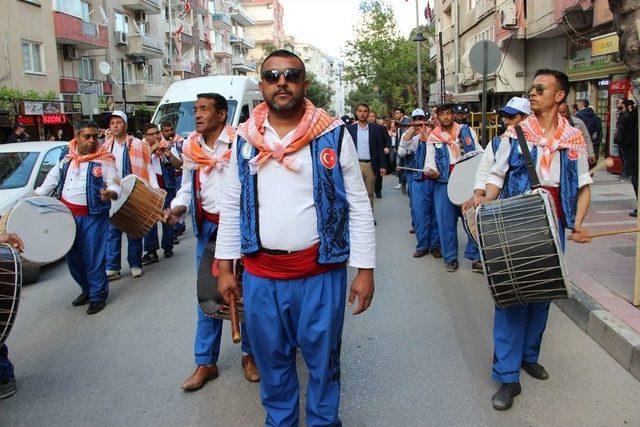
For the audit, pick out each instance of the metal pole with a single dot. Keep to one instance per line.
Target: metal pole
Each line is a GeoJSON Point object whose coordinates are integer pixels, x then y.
{"type": "Point", "coordinates": [442, 85]}
{"type": "Point", "coordinates": [419, 61]}
{"type": "Point", "coordinates": [124, 84]}
{"type": "Point", "coordinates": [170, 41]}
{"type": "Point", "coordinates": [485, 54]}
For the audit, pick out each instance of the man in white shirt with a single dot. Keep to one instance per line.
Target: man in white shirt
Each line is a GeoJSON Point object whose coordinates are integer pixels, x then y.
{"type": "Point", "coordinates": [86, 180]}
{"type": "Point", "coordinates": [206, 155]}
{"type": "Point", "coordinates": [517, 330]}
{"type": "Point", "coordinates": [132, 156]}
{"type": "Point", "coordinates": [175, 141]}
{"type": "Point", "coordinates": [296, 207]}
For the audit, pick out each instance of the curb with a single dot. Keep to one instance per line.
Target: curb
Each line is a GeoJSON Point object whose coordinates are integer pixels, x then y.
{"type": "Point", "coordinates": [615, 337]}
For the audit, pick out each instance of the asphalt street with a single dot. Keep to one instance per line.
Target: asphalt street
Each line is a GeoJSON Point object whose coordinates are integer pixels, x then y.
{"type": "Point", "coordinates": [421, 356]}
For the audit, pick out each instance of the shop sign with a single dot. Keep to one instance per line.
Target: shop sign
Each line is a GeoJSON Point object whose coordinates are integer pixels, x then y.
{"type": "Point", "coordinates": [32, 108]}
{"type": "Point", "coordinates": [27, 120]}
{"type": "Point", "coordinates": [52, 108]}
{"type": "Point", "coordinates": [581, 62]}
{"type": "Point", "coordinates": [603, 45]}
{"type": "Point", "coordinates": [54, 119]}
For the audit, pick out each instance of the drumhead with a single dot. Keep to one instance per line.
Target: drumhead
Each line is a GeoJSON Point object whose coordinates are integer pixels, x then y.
{"type": "Point", "coordinates": [10, 283]}
{"type": "Point", "coordinates": [45, 225]}
{"type": "Point", "coordinates": [127, 184]}
{"type": "Point", "coordinates": [463, 177]}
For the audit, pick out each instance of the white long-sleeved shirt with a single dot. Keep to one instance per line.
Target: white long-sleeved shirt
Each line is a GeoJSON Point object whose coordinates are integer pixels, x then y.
{"type": "Point", "coordinates": [485, 166]}
{"type": "Point", "coordinates": [287, 213]}
{"type": "Point", "coordinates": [118, 152]}
{"type": "Point", "coordinates": [75, 184]}
{"type": "Point", "coordinates": [408, 147]}
{"type": "Point", "coordinates": [211, 184]}
{"type": "Point", "coordinates": [501, 166]}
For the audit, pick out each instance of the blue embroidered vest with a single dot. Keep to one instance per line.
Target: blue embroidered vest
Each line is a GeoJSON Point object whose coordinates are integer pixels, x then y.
{"type": "Point", "coordinates": [517, 180]}
{"type": "Point", "coordinates": [168, 176]}
{"type": "Point", "coordinates": [417, 162]}
{"type": "Point", "coordinates": [329, 194]}
{"type": "Point", "coordinates": [94, 184]}
{"type": "Point", "coordinates": [442, 153]}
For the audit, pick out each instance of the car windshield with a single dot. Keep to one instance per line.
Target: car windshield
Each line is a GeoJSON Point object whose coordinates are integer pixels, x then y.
{"type": "Point", "coordinates": [15, 169]}
{"type": "Point", "coordinates": [181, 115]}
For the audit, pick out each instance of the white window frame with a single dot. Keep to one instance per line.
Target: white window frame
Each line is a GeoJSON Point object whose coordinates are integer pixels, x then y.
{"type": "Point", "coordinates": [86, 7]}
{"type": "Point", "coordinates": [31, 70]}
{"type": "Point", "coordinates": [486, 34]}
{"type": "Point", "coordinates": [121, 22]}
{"type": "Point", "coordinates": [87, 64]}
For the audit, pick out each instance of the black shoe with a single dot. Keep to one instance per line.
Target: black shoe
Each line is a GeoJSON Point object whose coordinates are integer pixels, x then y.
{"type": "Point", "coordinates": [176, 241]}
{"type": "Point", "coordinates": [634, 214]}
{"type": "Point", "coordinates": [168, 254]}
{"type": "Point", "coordinates": [81, 300]}
{"type": "Point", "coordinates": [420, 253]}
{"type": "Point", "coordinates": [412, 231]}
{"type": "Point", "coordinates": [404, 189]}
{"type": "Point", "coordinates": [535, 370]}
{"type": "Point", "coordinates": [452, 266]}
{"type": "Point", "coordinates": [8, 388]}
{"type": "Point", "coordinates": [150, 257]}
{"type": "Point", "coordinates": [503, 399]}
{"type": "Point", "coordinates": [96, 307]}
{"type": "Point", "coordinates": [437, 253]}
{"type": "Point", "coordinates": [378, 195]}
{"type": "Point", "coordinates": [476, 266]}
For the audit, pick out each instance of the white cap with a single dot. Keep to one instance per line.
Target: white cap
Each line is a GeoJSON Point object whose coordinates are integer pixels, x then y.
{"type": "Point", "coordinates": [517, 105]}
{"type": "Point", "coordinates": [120, 114]}
{"type": "Point", "coordinates": [418, 112]}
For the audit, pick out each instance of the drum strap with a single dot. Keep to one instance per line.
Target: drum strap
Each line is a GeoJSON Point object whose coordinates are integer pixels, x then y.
{"type": "Point", "coordinates": [531, 167]}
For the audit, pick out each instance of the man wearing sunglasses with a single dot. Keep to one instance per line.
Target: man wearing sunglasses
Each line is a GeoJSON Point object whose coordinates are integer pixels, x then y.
{"type": "Point", "coordinates": [296, 207]}
{"type": "Point", "coordinates": [560, 155]}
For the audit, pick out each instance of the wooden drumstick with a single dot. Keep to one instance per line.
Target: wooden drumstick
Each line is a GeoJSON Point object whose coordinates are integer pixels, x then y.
{"type": "Point", "coordinates": [235, 321]}
{"type": "Point", "coordinates": [409, 169]}
{"type": "Point", "coordinates": [610, 233]}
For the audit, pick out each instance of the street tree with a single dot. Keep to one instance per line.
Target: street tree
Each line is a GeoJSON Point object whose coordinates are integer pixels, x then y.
{"type": "Point", "coordinates": [319, 93]}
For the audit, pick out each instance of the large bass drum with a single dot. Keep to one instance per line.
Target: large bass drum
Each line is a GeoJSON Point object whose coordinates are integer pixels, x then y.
{"type": "Point", "coordinates": [520, 249]}
{"type": "Point", "coordinates": [10, 284]}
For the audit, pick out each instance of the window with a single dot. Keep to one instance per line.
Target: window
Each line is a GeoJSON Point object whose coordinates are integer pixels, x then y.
{"type": "Point", "coordinates": [122, 22]}
{"type": "Point", "coordinates": [31, 59]}
{"type": "Point", "coordinates": [87, 67]}
{"type": "Point", "coordinates": [15, 169]}
{"type": "Point", "coordinates": [488, 34]}
{"type": "Point", "coordinates": [86, 11]}
{"type": "Point", "coordinates": [149, 74]}
{"type": "Point", "coordinates": [472, 4]}
{"type": "Point", "coordinates": [244, 113]}
{"type": "Point", "coordinates": [49, 161]}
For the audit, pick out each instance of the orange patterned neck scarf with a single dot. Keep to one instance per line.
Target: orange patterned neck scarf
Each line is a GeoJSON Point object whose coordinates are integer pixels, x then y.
{"type": "Point", "coordinates": [314, 123]}
{"type": "Point", "coordinates": [139, 156]}
{"type": "Point", "coordinates": [196, 157]}
{"type": "Point", "coordinates": [101, 155]}
{"type": "Point", "coordinates": [566, 137]}
{"type": "Point", "coordinates": [440, 136]}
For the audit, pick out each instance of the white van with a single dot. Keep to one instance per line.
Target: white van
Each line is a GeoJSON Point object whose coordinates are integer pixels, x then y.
{"type": "Point", "coordinates": [242, 94]}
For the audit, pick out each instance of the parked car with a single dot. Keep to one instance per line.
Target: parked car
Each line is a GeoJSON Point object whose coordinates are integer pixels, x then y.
{"type": "Point", "coordinates": [23, 168]}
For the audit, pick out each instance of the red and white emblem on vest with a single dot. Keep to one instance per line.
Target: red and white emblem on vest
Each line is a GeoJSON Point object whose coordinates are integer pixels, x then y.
{"type": "Point", "coordinates": [328, 158]}
{"type": "Point", "coordinates": [467, 140]}
{"type": "Point", "coordinates": [97, 171]}
{"type": "Point", "coordinates": [573, 155]}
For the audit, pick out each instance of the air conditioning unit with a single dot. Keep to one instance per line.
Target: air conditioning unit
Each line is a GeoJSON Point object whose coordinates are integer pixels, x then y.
{"type": "Point", "coordinates": [508, 16]}
{"type": "Point", "coordinates": [121, 38]}
{"type": "Point", "coordinates": [69, 52]}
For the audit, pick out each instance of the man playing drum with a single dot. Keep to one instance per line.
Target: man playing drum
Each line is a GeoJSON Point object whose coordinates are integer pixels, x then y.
{"type": "Point", "coordinates": [421, 195]}
{"type": "Point", "coordinates": [206, 155]}
{"type": "Point", "coordinates": [132, 157]}
{"type": "Point", "coordinates": [8, 386]}
{"type": "Point", "coordinates": [560, 155]}
{"type": "Point", "coordinates": [445, 145]}
{"type": "Point", "coordinates": [86, 180]}
{"type": "Point", "coordinates": [296, 207]}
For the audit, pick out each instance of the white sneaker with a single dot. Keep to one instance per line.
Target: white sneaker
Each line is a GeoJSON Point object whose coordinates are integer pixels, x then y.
{"type": "Point", "coordinates": [136, 272]}
{"type": "Point", "coordinates": [113, 274]}
{"type": "Point", "coordinates": [397, 187]}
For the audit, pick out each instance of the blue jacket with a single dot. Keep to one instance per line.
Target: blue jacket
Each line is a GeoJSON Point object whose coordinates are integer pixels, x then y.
{"type": "Point", "coordinates": [442, 153]}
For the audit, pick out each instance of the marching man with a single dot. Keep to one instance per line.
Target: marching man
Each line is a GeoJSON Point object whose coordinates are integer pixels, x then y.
{"type": "Point", "coordinates": [175, 141]}
{"type": "Point", "coordinates": [295, 206]}
{"type": "Point", "coordinates": [86, 180]}
{"type": "Point", "coordinates": [560, 155]}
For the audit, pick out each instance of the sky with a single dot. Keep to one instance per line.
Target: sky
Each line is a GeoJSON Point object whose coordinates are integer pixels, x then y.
{"type": "Point", "coordinates": [328, 24]}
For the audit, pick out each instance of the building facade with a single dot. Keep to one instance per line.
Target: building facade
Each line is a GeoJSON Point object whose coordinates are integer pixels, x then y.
{"type": "Point", "coordinates": [268, 29]}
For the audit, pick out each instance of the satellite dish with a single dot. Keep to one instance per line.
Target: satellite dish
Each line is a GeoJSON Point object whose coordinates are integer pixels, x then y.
{"type": "Point", "coordinates": [104, 68]}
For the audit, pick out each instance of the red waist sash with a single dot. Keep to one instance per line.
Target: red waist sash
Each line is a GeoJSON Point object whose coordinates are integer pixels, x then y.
{"type": "Point", "coordinates": [160, 180]}
{"type": "Point", "coordinates": [76, 210]}
{"type": "Point", "coordinates": [215, 218]}
{"type": "Point", "coordinates": [555, 195]}
{"type": "Point", "coordinates": [294, 265]}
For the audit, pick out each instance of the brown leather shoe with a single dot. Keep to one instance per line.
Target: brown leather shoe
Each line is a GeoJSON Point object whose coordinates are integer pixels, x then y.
{"type": "Point", "coordinates": [437, 253]}
{"type": "Point", "coordinates": [200, 377]}
{"type": "Point", "coordinates": [250, 369]}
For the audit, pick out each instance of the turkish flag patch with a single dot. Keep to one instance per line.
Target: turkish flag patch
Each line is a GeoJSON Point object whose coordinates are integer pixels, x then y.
{"type": "Point", "coordinates": [467, 140]}
{"type": "Point", "coordinates": [97, 171]}
{"type": "Point", "coordinates": [328, 158]}
{"type": "Point", "coordinates": [573, 155]}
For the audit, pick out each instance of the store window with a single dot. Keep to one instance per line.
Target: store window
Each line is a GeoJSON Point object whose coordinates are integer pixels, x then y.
{"type": "Point", "coordinates": [31, 57]}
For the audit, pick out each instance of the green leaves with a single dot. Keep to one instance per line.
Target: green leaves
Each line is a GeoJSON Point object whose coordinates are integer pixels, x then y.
{"type": "Point", "coordinates": [319, 93]}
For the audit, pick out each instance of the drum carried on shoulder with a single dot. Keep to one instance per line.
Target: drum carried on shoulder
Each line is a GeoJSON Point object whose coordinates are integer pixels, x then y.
{"type": "Point", "coordinates": [138, 208]}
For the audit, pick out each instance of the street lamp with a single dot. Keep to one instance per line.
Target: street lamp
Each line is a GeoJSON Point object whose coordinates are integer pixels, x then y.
{"type": "Point", "coordinates": [418, 39]}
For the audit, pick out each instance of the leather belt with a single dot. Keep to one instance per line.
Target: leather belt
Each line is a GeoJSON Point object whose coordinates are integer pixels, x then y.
{"type": "Point", "coordinates": [364, 161]}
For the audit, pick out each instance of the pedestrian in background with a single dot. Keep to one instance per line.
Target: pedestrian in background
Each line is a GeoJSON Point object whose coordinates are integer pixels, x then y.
{"type": "Point", "coordinates": [563, 110]}
{"type": "Point", "coordinates": [19, 134]}
{"type": "Point", "coordinates": [593, 122]}
{"type": "Point", "coordinates": [400, 119]}
{"type": "Point", "coordinates": [623, 123]}
{"type": "Point", "coordinates": [628, 138]}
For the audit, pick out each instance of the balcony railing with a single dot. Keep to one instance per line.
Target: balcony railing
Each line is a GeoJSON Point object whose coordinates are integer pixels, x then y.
{"type": "Point", "coordinates": [145, 46]}
{"type": "Point", "coordinates": [76, 85]}
{"type": "Point", "coordinates": [222, 19]}
{"type": "Point", "coordinates": [148, 6]}
{"type": "Point", "coordinates": [241, 16]}
{"type": "Point", "coordinates": [185, 66]}
{"type": "Point", "coordinates": [243, 41]}
{"type": "Point", "coordinates": [222, 49]}
{"type": "Point", "coordinates": [447, 35]}
{"type": "Point", "coordinates": [483, 7]}
{"type": "Point", "coordinates": [74, 31]}
{"type": "Point", "coordinates": [242, 63]}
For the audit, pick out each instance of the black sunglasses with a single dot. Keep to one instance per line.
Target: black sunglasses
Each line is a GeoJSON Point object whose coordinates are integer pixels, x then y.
{"type": "Point", "coordinates": [539, 88]}
{"type": "Point", "coordinates": [418, 118]}
{"type": "Point", "coordinates": [291, 75]}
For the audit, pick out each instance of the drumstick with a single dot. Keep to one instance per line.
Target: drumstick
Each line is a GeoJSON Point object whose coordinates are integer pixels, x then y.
{"type": "Point", "coordinates": [610, 233]}
{"type": "Point", "coordinates": [409, 169]}
{"type": "Point", "coordinates": [604, 163]}
{"type": "Point", "coordinates": [235, 322]}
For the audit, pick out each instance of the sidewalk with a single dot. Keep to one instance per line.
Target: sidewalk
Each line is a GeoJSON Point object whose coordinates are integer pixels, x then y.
{"type": "Point", "coordinates": [603, 274]}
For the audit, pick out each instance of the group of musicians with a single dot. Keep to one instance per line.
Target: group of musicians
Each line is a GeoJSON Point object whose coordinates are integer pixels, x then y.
{"type": "Point", "coordinates": [286, 193]}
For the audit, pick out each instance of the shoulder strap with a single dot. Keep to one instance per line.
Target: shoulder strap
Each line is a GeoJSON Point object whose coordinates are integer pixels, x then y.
{"type": "Point", "coordinates": [531, 167]}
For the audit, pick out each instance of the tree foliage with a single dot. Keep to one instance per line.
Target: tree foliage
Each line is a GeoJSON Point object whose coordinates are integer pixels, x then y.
{"type": "Point", "coordinates": [384, 63]}
{"type": "Point", "coordinates": [319, 93]}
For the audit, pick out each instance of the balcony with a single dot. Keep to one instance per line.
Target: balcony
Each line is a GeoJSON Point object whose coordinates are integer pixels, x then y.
{"type": "Point", "coordinates": [221, 20]}
{"type": "Point", "coordinates": [151, 7]}
{"type": "Point", "coordinates": [242, 17]}
{"type": "Point", "coordinates": [244, 42]}
{"type": "Point", "coordinates": [184, 66]}
{"type": "Point", "coordinates": [76, 32]}
{"type": "Point", "coordinates": [145, 46]}
{"type": "Point", "coordinates": [222, 50]}
{"type": "Point", "coordinates": [75, 85]}
{"type": "Point", "coordinates": [242, 64]}
{"type": "Point", "coordinates": [447, 35]}
{"type": "Point", "coordinates": [484, 7]}
{"type": "Point", "coordinates": [140, 92]}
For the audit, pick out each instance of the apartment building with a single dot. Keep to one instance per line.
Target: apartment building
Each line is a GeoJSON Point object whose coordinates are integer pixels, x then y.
{"type": "Point", "coordinates": [232, 44]}
{"type": "Point", "coordinates": [268, 29]}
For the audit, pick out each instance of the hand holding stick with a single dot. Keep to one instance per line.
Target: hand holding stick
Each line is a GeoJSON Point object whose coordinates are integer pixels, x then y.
{"type": "Point", "coordinates": [235, 322]}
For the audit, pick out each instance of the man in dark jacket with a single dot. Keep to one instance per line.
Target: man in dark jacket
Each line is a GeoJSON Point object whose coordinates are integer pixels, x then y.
{"type": "Point", "coordinates": [18, 135]}
{"type": "Point", "coordinates": [628, 138]}
{"type": "Point", "coordinates": [593, 122]}
{"type": "Point", "coordinates": [370, 142]}
{"type": "Point", "coordinates": [621, 126]}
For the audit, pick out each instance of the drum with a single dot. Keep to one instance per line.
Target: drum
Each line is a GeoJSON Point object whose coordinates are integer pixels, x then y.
{"type": "Point", "coordinates": [209, 298]}
{"type": "Point", "coordinates": [470, 223]}
{"type": "Point", "coordinates": [463, 177]}
{"type": "Point", "coordinates": [521, 250]}
{"type": "Point", "coordinates": [45, 225]}
{"type": "Point", "coordinates": [138, 208]}
{"type": "Point", "coordinates": [10, 283]}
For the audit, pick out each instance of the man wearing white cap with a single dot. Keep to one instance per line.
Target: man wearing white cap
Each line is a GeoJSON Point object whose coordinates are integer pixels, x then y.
{"type": "Point", "coordinates": [132, 157]}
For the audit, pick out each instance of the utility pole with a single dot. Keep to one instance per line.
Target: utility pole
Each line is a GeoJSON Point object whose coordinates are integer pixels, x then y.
{"type": "Point", "coordinates": [418, 55]}
{"type": "Point", "coordinates": [124, 85]}
{"type": "Point", "coordinates": [442, 85]}
{"type": "Point", "coordinates": [170, 40]}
